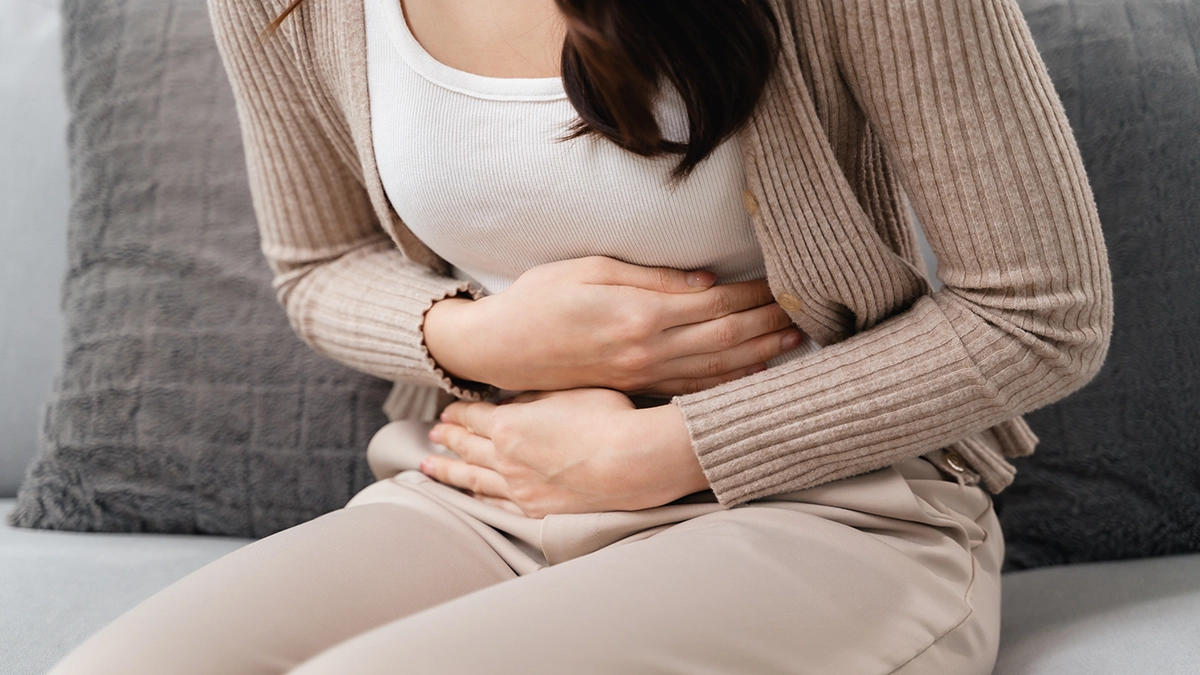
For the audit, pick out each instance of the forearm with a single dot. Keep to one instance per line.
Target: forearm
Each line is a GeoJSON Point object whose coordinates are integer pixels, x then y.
{"type": "Point", "coordinates": [365, 310]}
{"type": "Point", "coordinates": [908, 386]}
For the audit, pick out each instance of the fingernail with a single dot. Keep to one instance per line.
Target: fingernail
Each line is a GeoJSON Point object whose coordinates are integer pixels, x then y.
{"type": "Point", "coordinates": [445, 416]}
{"type": "Point", "coordinates": [791, 339]}
{"type": "Point", "coordinates": [435, 434]}
{"type": "Point", "coordinates": [700, 279]}
{"type": "Point", "coordinates": [426, 465]}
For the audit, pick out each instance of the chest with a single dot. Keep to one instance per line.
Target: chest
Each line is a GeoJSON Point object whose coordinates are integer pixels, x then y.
{"type": "Point", "coordinates": [825, 208]}
{"type": "Point", "coordinates": [479, 170]}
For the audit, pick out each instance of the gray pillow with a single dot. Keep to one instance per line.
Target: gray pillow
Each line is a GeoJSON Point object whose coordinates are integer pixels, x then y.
{"type": "Point", "coordinates": [184, 401]}
{"type": "Point", "coordinates": [1117, 474]}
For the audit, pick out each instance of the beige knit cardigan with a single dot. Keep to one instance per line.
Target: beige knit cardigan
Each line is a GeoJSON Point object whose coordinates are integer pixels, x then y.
{"type": "Point", "coordinates": [945, 102]}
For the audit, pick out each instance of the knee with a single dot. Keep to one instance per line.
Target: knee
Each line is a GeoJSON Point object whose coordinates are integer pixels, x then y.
{"type": "Point", "coordinates": [115, 650]}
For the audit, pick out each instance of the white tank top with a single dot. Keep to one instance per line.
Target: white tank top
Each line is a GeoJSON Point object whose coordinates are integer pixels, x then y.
{"type": "Point", "coordinates": [473, 166]}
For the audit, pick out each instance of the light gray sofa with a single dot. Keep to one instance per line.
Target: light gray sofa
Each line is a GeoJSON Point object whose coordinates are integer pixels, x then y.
{"type": "Point", "coordinates": [57, 588]}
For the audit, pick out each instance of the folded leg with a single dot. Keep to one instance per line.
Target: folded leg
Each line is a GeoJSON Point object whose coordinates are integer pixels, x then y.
{"type": "Point", "coordinates": [816, 587]}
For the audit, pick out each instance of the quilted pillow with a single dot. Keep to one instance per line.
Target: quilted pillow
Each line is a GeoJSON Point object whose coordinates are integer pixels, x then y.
{"type": "Point", "coordinates": [184, 402]}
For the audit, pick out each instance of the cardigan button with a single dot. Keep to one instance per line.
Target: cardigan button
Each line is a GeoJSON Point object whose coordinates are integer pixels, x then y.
{"type": "Point", "coordinates": [749, 202]}
{"type": "Point", "coordinates": [789, 302]}
{"type": "Point", "coordinates": [955, 461]}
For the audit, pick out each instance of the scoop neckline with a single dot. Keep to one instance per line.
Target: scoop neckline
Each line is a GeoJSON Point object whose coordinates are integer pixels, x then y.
{"type": "Point", "coordinates": [479, 86]}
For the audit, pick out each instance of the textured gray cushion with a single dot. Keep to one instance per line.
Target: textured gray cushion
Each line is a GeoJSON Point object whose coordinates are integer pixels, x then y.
{"type": "Point", "coordinates": [33, 226]}
{"type": "Point", "coordinates": [60, 587]}
{"type": "Point", "coordinates": [1117, 474]}
{"type": "Point", "coordinates": [185, 403]}
{"type": "Point", "coordinates": [1117, 618]}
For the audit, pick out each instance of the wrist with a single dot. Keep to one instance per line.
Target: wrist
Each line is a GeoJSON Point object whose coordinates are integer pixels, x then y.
{"type": "Point", "coordinates": [673, 459]}
{"type": "Point", "coordinates": [445, 324]}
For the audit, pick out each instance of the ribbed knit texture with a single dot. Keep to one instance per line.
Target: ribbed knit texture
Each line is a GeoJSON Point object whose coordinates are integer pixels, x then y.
{"type": "Point", "coordinates": [948, 99]}
{"type": "Point", "coordinates": [478, 169]}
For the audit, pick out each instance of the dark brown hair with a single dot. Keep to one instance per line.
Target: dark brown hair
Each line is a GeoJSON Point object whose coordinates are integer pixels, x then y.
{"type": "Point", "coordinates": [717, 54]}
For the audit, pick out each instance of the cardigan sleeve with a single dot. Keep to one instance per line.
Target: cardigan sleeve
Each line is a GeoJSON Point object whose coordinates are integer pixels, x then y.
{"type": "Point", "coordinates": [347, 290]}
{"type": "Point", "coordinates": [968, 116]}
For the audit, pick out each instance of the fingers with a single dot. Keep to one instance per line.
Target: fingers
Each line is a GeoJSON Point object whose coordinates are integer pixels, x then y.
{"type": "Point", "coordinates": [501, 504]}
{"type": "Point", "coordinates": [690, 386]}
{"type": "Point", "coordinates": [471, 447]}
{"type": "Point", "coordinates": [749, 353]}
{"type": "Point", "coordinates": [661, 279]}
{"type": "Point", "coordinates": [476, 479]}
{"type": "Point", "coordinates": [717, 302]}
{"type": "Point", "coordinates": [475, 416]}
{"type": "Point", "coordinates": [726, 332]}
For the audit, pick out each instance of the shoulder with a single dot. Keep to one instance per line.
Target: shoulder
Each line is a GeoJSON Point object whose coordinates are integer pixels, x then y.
{"type": "Point", "coordinates": [241, 22]}
{"type": "Point", "coordinates": [309, 41]}
{"type": "Point", "coordinates": [261, 7]}
{"type": "Point", "coordinates": [246, 12]}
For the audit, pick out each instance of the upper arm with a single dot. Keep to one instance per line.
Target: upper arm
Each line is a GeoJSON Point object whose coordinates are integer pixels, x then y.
{"type": "Point", "coordinates": [969, 118]}
{"type": "Point", "coordinates": [309, 200]}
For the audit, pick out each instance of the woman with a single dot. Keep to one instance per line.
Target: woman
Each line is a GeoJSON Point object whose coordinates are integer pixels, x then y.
{"type": "Point", "coordinates": [578, 199]}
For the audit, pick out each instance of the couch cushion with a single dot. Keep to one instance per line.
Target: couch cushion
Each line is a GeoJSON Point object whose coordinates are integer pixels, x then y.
{"type": "Point", "coordinates": [1138, 616]}
{"type": "Point", "coordinates": [1096, 619]}
{"type": "Point", "coordinates": [60, 587]}
{"type": "Point", "coordinates": [1116, 472]}
{"type": "Point", "coordinates": [185, 402]}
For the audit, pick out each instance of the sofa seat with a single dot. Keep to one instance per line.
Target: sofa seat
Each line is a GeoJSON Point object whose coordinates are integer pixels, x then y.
{"type": "Point", "coordinates": [57, 588]}
{"type": "Point", "coordinates": [1131, 617]}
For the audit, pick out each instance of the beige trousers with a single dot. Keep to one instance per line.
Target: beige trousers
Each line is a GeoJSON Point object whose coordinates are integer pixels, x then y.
{"type": "Point", "coordinates": [896, 571]}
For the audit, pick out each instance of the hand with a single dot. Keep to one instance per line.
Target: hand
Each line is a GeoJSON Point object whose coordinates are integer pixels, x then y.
{"type": "Point", "coordinates": [599, 322]}
{"type": "Point", "coordinates": [575, 451]}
